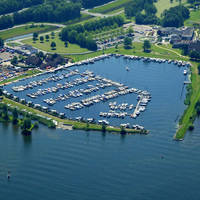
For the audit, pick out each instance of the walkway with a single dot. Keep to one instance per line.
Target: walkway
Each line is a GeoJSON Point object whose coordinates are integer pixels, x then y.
{"type": "Point", "coordinates": [170, 50]}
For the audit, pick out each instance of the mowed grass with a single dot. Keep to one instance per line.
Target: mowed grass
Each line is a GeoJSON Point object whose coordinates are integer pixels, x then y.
{"type": "Point", "coordinates": [26, 29]}
{"type": "Point", "coordinates": [161, 5]}
{"type": "Point", "coordinates": [194, 18]}
{"type": "Point", "coordinates": [156, 52]}
{"type": "Point", "coordinates": [110, 6]}
{"type": "Point", "coordinates": [60, 46]}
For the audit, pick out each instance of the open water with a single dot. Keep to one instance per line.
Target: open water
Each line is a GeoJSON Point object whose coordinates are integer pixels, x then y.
{"type": "Point", "coordinates": [57, 164]}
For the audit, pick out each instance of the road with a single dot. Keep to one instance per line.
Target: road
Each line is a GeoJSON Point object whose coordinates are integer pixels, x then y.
{"type": "Point", "coordinates": [50, 24]}
{"type": "Point", "coordinates": [101, 15]}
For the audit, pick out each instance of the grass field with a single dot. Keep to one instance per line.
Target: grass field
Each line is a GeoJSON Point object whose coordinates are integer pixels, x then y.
{"type": "Point", "coordinates": [110, 7]}
{"type": "Point", "coordinates": [60, 46]}
{"type": "Point", "coordinates": [194, 18]}
{"type": "Point", "coordinates": [161, 5]}
{"type": "Point", "coordinates": [25, 30]}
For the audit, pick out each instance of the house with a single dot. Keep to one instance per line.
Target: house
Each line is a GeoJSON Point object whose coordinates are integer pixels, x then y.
{"type": "Point", "coordinates": [188, 33]}
{"type": "Point", "coordinates": [175, 38]}
{"type": "Point", "coordinates": [194, 46]}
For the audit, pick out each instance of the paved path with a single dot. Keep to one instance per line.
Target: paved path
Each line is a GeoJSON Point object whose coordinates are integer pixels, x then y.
{"type": "Point", "coordinates": [171, 51]}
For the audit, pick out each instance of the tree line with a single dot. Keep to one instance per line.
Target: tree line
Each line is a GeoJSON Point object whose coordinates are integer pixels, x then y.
{"type": "Point", "coordinates": [79, 33]}
{"type": "Point", "coordinates": [136, 8]}
{"type": "Point", "coordinates": [8, 6]}
{"type": "Point", "coordinates": [51, 11]}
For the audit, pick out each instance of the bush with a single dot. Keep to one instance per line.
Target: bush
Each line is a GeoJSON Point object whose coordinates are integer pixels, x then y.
{"type": "Point", "coordinates": [191, 127]}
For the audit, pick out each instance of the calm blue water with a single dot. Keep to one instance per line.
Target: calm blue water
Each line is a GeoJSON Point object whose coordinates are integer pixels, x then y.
{"type": "Point", "coordinates": [56, 164]}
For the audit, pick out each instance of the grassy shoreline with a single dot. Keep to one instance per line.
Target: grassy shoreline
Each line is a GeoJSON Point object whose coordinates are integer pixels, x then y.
{"type": "Point", "coordinates": [190, 114]}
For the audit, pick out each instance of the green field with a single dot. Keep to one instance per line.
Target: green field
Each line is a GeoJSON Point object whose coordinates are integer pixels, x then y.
{"type": "Point", "coordinates": [110, 7]}
{"type": "Point", "coordinates": [194, 18]}
{"type": "Point", "coordinates": [60, 46]}
{"type": "Point", "coordinates": [161, 5]}
{"type": "Point", "coordinates": [26, 29]}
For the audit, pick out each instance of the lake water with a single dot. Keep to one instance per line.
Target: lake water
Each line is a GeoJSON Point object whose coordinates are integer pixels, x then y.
{"type": "Point", "coordinates": [57, 164]}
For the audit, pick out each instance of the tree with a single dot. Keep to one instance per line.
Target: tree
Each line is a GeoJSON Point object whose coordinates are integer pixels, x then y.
{"type": "Point", "coordinates": [1, 91]}
{"type": "Point", "coordinates": [130, 31]}
{"type": "Point", "coordinates": [103, 128]}
{"type": "Point", "coordinates": [195, 55]}
{"type": "Point", "coordinates": [14, 60]}
{"type": "Point", "coordinates": [34, 39]}
{"type": "Point", "coordinates": [127, 43]}
{"type": "Point", "coordinates": [47, 37]}
{"type": "Point", "coordinates": [122, 130]}
{"type": "Point", "coordinates": [147, 46]}
{"type": "Point", "coordinates": [5, 112]}
{"type": "Point", "coordinates": [35, 35]}
{"type": "Point", "coordinates": [1, 43]}
{"type": "Point", "coordinates": [15, 116]}
{"type": "Point", "coordinates": [26, 124]}
{"type": "Point", "coordinates": [199, 69]}
{"type": "Point", "coordinates": [171, 1]}
{"type": "Point", "coordinates": [53, 45]}
{"type": "Point", "coordinates": [66, 44]}
{"type": "Point", "coordinates": [41, 39]}
{"type": "Point", "coordinates": [52, 35]}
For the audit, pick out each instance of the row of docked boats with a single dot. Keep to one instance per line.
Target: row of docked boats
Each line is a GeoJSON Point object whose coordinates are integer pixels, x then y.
{"type": "Point", "coordinates": [158, 60]}
{"type": "Point", "coordinates": [44, 81]}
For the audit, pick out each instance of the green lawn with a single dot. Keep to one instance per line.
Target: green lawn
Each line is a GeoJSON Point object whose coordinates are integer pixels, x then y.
{"type": "Point", "coordinates": [161, 5]}
{"type": "Point", "coordinates": [26, 29]}
{"type": "Point", "coordinates": [194, 18]}
{"type": "Point", "coordinates": [60, 46]}
{"type": "Point", "coordinates": [110, 7]}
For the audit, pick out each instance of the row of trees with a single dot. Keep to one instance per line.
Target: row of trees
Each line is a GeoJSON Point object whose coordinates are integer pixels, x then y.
{"type": "Point", "coordinates": [78, 33]}
{"type": "Point", "coordinates": [175, 16]}
{"type": "Point", "coordinates": [8, 6]}
{"type": "Point", "coordinates": [25, 123]}
{"type": "Point", "coordinates": [58, 11]}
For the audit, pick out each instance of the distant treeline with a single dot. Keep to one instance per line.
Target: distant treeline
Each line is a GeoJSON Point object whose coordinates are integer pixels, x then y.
{"type": "Point", "coordinates": [91, 3]}
{"type": "Point", "coordinates": [78, 33]}
{"type": "Point", "coordinates": [175, 16]}
{"type": "Point", "coordinates": [53, 11]}
{"type": "Point", "coordinates": [136, 8]}
{"type": "Point", "coordinates": [8, 6]}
